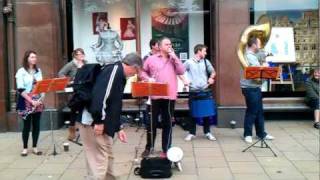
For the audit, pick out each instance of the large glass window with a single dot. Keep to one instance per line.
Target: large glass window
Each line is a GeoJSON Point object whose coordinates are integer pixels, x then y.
{"type": "Point", "coordinates": [185, 22]}
{"type": "Point", "coordinates": [301, 18]}
{"type": "Point", "coordinates": [105, 29]}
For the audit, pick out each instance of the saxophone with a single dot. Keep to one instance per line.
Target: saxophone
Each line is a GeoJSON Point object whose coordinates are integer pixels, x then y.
{"type": "Point", "coordinates": [261, 30]}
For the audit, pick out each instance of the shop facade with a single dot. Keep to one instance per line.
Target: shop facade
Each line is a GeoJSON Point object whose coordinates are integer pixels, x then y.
{"type": "Point", "coordinates": [55, 28]}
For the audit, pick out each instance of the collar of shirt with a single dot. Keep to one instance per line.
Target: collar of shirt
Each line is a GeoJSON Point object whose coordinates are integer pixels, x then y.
{"type": "Point", "coordinates": [250, 52]}
{"type": "Point", "coordinates": [196, 60]}
{"type": "Point", "coordinates": [159, 55]}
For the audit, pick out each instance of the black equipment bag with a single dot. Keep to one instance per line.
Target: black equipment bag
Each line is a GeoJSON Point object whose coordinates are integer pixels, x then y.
{"type": "Point", "coordinates": [82, 86]}
{"type": "Point", "coordinates": [154, 168]}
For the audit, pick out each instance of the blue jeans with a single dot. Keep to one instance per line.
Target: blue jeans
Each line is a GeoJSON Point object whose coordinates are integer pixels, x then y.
{"type": "Point", "coordinates": [254, 112]}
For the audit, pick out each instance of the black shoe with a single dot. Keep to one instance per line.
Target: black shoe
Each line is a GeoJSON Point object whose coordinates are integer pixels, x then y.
{"type": "Point", "coordinates": [145, 153]}
{"type": "Point", "coordinates": [316, 125]}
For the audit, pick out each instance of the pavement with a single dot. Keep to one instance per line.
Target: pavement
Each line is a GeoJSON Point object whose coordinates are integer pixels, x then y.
{"type": "Point", "coordinates": [296, 144]}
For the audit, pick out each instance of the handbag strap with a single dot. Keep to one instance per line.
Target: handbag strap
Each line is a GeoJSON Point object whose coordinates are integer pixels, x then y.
{"type": "Point", "coordinates": [205, 63]}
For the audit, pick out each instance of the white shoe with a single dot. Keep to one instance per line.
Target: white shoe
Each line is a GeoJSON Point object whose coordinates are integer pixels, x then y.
{"type": "Point", "coordinates": [210, 137]}
{"type": "Point", "coordinates": [248, 139]}
{"type": "Point", "coordinates": [269, 137]}
{"type": "Point", "coordinates": [189, 137]}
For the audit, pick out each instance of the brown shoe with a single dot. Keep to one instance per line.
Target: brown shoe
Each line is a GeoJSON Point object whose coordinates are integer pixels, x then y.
{"type": "Point", "coordinates": [145, 153]}
{"type": "Point", "coordinates": [72, 133]}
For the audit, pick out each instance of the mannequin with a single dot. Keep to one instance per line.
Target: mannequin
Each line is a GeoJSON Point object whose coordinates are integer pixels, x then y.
{"type": "Point", "coordinates": [109, 46]}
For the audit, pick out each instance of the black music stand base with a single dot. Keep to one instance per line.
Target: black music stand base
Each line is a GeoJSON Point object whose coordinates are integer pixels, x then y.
{"type": "Point", "coordinates": [53, 142]}
{"type": "Point", "coordinates": [264, 144]}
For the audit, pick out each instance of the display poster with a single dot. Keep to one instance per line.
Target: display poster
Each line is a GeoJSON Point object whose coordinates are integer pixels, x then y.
{"type": "Point", "coordinates": [172, 23]}
{"type": "Point", "coordinates": [128, 28]}
{"type": "Point", "coordinates": [99, 21]}
{"type": "Point", "coordinates": [281, 45]}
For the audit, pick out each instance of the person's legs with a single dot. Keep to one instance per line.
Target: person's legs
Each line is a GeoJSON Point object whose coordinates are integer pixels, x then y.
{"type": "Point", "coordinates": [259, 122]}
{"type": "Point", "coordinates": [166, 106]}
{"type": "Point", "coordinates": [251, 111]}
{"type": "Point", "coordinates": [152, 126]}
{"type": "Point", "coordinates": [99, 155]}
{"type": "Point", "coordinates": [193, 126]}
{"type": "Point", "coordinates": [72, 128]}
{"type": "Point", "coordinates": [314, 104]}
{"type": "Point", "coordinates": [104, 157]}
{"type": "Point", "coordinates": [316, 115]}
{"type": "Point", "coordinates": [35, 128]}
{"type": "Point", "coordinates": [90, 150]}
{"type": "Point", "coordinates": [25, 131]}
{"type": "Point", "coordinates": [206, 125]}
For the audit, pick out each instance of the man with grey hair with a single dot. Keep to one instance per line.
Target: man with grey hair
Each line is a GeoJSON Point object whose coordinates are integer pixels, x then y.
{"type": "Point", "coordinates": [102, 119]}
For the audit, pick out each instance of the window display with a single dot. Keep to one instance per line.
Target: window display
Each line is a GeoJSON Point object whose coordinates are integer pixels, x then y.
{"type": "Point", "coordinates": [108, 30]}
{"type": "Point", "coordinates": [302, 16]}
{"type": "Point", "coordinates": [98, 29]}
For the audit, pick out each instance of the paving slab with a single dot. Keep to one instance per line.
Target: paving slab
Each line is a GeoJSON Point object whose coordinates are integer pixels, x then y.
{"type": "Point", "coordinates": [296, 144]}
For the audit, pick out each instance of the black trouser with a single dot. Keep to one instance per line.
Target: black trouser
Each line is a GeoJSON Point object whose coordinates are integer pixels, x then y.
{"type": "Point", "coordinates": [206, 126]}
{"type": "Point", "coordinates": [33, 118]}
{"type": "Point", "coordinates": [165, 108]}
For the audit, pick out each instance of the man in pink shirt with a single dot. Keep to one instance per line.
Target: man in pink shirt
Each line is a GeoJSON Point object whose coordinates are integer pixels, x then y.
{"type": "Point", "coordinates": [162, 67]}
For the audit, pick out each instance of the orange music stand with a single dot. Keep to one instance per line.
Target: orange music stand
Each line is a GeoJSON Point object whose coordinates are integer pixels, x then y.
{"type": "Point", "coordinates": [257, 72]}
{"type": "Point", "coordinates": [50, 85]}
{"type": "Point", "coordinates": [142, 89]}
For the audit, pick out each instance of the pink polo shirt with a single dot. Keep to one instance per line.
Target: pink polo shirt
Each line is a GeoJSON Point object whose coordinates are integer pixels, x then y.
{"type": "Point", "coordinates": [164, 71]}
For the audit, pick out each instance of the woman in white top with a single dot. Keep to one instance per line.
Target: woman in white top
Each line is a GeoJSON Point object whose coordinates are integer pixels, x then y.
{"type": "Point", "coordinates": [29, 106]}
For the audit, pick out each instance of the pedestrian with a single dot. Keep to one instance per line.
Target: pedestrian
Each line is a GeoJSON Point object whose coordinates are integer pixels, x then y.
{"type": "Point", "coordinates": [201, 76]}
{"type": "Point", "coordinates": [70, 70]}
{"type": "Point", "coordinates": [29, 106]}
{"type": "Point", "coordinates": [103, 116]}
{"type": "Point", "coordinates": [312, 95]}
{"type": "Point", "coordinates": [162, 67]}
{"type": "Point", "coordinates": [251, 90]}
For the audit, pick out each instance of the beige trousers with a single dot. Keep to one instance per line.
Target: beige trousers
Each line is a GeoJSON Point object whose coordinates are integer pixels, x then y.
{"type": "Point", "coordinates": [98, 152]}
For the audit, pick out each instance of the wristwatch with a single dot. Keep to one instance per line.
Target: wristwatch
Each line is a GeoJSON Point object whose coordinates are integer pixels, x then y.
{"type": "Point", "coordinates": [121, 127]}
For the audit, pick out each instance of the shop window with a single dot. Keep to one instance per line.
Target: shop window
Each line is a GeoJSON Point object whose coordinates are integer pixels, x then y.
{"type": "Point", "coordinates": [104, 29]}
{"type": "Point", "coordinates": [303, 17]}
{"type": "Point", "coordinates": [185, 22]}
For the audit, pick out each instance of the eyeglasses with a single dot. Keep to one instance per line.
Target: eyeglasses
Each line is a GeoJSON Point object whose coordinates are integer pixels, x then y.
{"type": "Point", "coordinates": [78, 54]}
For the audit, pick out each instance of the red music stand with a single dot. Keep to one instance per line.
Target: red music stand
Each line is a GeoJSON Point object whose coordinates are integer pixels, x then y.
{"type": "Point", "coordinates": [51, 85]}
{"type": "Point", "coordinates": [143, 89]}
{"type": "Point", "coordinates": [257, 72]}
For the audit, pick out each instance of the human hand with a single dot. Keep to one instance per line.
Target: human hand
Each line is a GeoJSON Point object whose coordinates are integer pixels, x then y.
{"type": "Point", "coordinates": [35, 103]}
{"type": "Point", "coordinates": [186, 82]}
{"type": "Point", "coordinates": [122, 136]}
{"type": "Point", "coordinates": [151, 80]}
{"type": "Point", "coordinates": [172, 53]}
{"type": "Point", "coordinates": [210, 81]}
{"type": "Point", "coordinates": [98, 129]}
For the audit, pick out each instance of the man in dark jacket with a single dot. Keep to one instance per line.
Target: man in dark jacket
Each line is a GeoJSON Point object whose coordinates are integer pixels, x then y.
{"type": "Point", "coordinates": [102, 119]}
{"type": "Point", "coordinates": [312, 95]}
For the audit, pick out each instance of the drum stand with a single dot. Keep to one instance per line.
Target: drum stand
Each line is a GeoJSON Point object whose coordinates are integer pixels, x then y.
{"type": "Point", "coordinates": [264, 144]}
